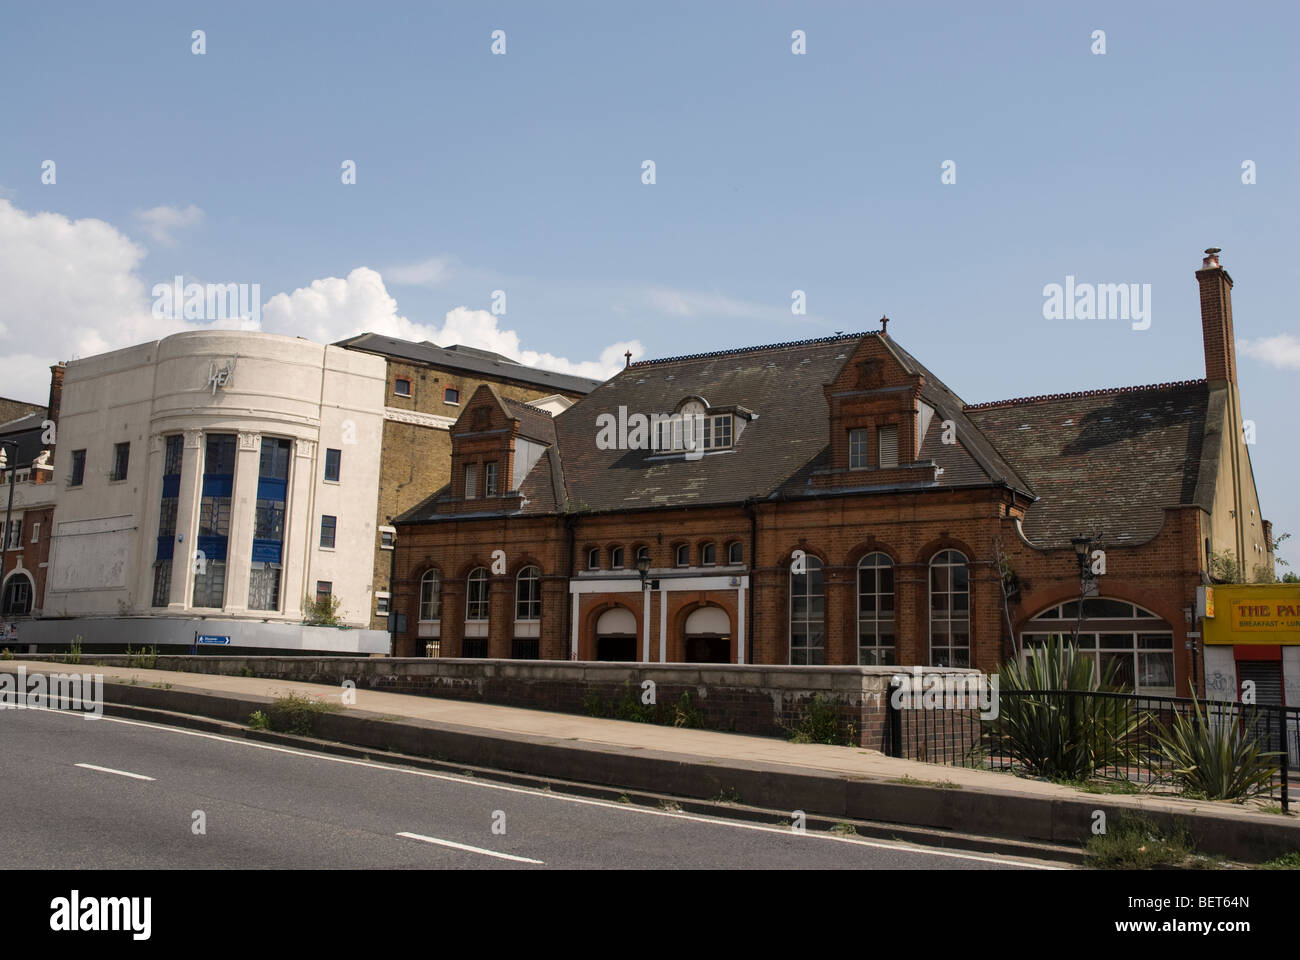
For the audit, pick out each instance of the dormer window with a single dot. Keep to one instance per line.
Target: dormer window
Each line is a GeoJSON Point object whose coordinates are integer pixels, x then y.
{"type": "Point", "coordinates": [717, 432]}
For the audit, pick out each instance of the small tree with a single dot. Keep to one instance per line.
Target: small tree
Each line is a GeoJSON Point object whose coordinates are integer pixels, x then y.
{"type": "Point", "coordinates": [321, 612]}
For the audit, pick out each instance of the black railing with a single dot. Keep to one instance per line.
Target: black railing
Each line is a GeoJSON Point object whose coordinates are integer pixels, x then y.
{"type": "Point", "coordinates": [525, 648]}
{"type": "Point", "coordinates": [1120, 732]}
{"type": "Point", "coordinates": [474, 647]}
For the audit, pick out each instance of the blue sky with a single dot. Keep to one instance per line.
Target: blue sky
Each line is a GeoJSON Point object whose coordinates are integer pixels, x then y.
{"type": "Point", "coordinates": [774, 172]}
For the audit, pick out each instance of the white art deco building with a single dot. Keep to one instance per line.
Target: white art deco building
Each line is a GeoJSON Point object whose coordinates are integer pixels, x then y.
{"type": "Point", "coordinates": [211, 483]}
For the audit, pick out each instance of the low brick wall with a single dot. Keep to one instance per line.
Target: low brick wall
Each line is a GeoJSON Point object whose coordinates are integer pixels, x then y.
{"type": "Point", "coordinates": [761, 700]}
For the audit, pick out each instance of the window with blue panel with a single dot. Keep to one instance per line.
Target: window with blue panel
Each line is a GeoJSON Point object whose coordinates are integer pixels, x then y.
{"type": "Point", "coordinates": [173, 452]}
{"type": "Point", "coordinates": [268, 525]}
{"type": "Point", "coordinates": [214, 520]}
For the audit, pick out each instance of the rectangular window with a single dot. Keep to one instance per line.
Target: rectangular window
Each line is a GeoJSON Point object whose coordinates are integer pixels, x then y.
{"type": "Point", "coordinates": [381, 604]}
{"type": "Point", "coordinates": [858, 449]}
{"type": "Point", "coordinates": [490, 480]}
{"type": "Point", "coordinates": [172, 455]}
{"type": "Point", "coordinates": [162, 582]}
{"type": "Point", "coordinates": [274, 463]}
{"type": "Point", "coordinates": [36, 533]}
{"type": "Point", "coordinates": [210, 584]}
{"type": "Point", "coordinates": [264, 586]}
{"type": "Point", "coordinates": [333, 459]}
{"type": "Point", "coordinates": [324, 590]}
{"type": "Point", "coordinates": [121, 459]}
{"type": "Point", "coordinates": [451, 395]}
{"type": "Point", "coordinates": [717, 432]}
{"type": "Point", "coordinates": [327, 526]}
{"type": "Point", "coordinates": [887, 438]}
{"type": "Point", "coordinates": [268, 521]}
{"type": "Point", "coordinates": [214, 517]}
{"type": "Point", "coordinates": [387, 537]}
{"type": "Point", "coordinates": [471, 481]}
{"type": "Point", "coordinates": [402, 387]}
{"type": "Point", "coordinates": [78, 475]}
{"type": "Point", "coordinates": [15, 536]}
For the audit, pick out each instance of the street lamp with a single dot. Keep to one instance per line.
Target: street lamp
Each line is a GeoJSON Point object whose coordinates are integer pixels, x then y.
{"type": "Point", "coordinates": [1082, 552]}
{"type": "Point", "coordinates": [643, 567]}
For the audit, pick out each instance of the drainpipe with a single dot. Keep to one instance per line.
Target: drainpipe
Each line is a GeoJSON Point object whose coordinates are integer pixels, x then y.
{"type": "Point", "coordinates": [569, 521]}
{"type": "Point", "coordinates": [752, 509]}
{"type": "Point", "coordinates": [392, 591]}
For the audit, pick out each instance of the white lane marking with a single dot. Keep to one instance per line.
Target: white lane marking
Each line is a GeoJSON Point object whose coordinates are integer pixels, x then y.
{"type": "Point", "coordinates": [120, 773]}
{"type": "Point", "coordinates": [624, 807]}
{"type": "Point", "coordinates": [466, 846]}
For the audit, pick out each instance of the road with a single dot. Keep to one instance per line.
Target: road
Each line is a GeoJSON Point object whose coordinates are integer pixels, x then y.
{"type": "Point", "coordinates": [79, 793]}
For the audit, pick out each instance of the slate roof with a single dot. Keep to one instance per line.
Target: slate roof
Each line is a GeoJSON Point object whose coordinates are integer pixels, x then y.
{"type": "Point", "coordinates": [1108, 460]}
{"type": "Point", "coordinates": [26, 430]}
{"type": "Point", "coordinates": [469, 359]}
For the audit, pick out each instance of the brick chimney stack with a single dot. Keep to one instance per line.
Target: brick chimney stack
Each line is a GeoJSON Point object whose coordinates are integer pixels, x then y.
{"type": "Point", "coordinates": [1216, 319]}
{"type": "Point", "coordinates": [56, 391]}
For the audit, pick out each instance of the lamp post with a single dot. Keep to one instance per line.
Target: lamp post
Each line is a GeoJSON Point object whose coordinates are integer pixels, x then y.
{"type": "Point", "coordinates": [5, 447]}
{"type": "Point", "coordinates": [643, 568]}
{"type": "Point", "coordinates": [1082, 551]}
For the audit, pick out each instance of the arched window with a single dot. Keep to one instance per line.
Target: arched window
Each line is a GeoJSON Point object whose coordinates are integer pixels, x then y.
{"type": "Point", "coordinates": [528, 594]}
{"type": "Point", "coordinates": [1138, 642]}
{"type": "Point", "coordinates": [431, 596]}
{"type": "Point", "coordinates": [17, 596]}
{"type": "Point", "coordinates": [616, 558]}
{"type": "Point", "coordinates": [708, 554]}
{"type": "Point", "coordinates": [642, 552]}
{"type": "Point", "coordinates": [949, 610]}
{"type": "Point", "coordinates": [808, 614]}
{"type": "Point", "coordinates": [683, 555]}
{"type": "Point", "coordinates": [476, 597]}
{"type": "Point", "coordinates": [876, 610]}
{"type": "Point", "coordinates": [593, 558]}
{"type": "Point", "coordinates": [735, 553]}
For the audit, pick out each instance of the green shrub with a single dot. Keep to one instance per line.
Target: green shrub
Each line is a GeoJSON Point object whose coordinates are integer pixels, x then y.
{"type": "Point", "coordinates": [818, 721]}
{"type": "Point", "coordinates": [323, 612]}
{"type": "Point", "coordinates": [145, 658]}
{"type": "Point", "coordinates": [685, 714]}
{"type": "Point", "coordinates": [257, 720]}
{"type": "Point", "coordinates": [1061, 737]}
{"type": "Point", "coordinates": [297, 713]}
{"type": "Point", "coordinates": [1216, 758]}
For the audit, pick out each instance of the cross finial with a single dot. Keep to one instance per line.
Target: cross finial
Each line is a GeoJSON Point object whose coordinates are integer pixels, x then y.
{"type": "Point", "coordinates": [628, 354]}
{"type": "Point", "coordinates": [884, 324]}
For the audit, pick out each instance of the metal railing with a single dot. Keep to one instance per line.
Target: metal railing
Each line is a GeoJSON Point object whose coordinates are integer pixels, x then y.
{"type": "Point", "coordinates": [1119, 729]}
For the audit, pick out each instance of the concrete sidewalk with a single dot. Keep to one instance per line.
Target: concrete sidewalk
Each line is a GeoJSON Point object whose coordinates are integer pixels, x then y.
{"type": "Point", "coordinates": [903, 791]}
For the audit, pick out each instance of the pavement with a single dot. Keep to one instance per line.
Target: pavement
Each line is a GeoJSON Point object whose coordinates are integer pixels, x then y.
{"type": "Point", "coordinates": [120, 794]}
{"type": "Point", "coordinates": [772, 773]}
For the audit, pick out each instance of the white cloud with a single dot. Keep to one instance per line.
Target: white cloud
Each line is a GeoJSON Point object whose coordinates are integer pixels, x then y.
{"type": "Point", "coordinates": [433, 272]}
{"type": "Point", "coordinates": [1281, 351]}
{"type": "Point", "coordinates": [334, 308]}
{"type": "Point", "coordinates": [71, 289]}
{"type": "Point", "coordinates": [159, 222]}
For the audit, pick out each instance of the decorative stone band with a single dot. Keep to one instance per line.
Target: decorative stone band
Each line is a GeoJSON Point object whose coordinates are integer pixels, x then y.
{"type": "Point", "coordinates": [419, 419]}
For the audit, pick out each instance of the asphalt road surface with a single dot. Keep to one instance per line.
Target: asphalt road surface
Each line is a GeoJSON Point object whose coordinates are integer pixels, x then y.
{"type": "Point", "coordinates": [79, 793]}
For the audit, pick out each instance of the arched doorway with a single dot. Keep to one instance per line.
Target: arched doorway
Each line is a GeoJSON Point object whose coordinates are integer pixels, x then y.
{"type": "Point", "coordinates": [616, 635]}
{"type": "Point", "coordinates": [17, 597]}
{"type": "Point", "coordinates": [707, 636]}
{"type": "Point", "coordinates": [1111, 630]}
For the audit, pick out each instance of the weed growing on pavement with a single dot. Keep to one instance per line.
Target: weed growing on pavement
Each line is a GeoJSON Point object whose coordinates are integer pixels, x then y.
{"type": "Point", "coordinates": [74, 650]}
{"type": "Point", "coordinates": [145, 658]}
{"type": "Point", "coordinates": [727, 795]}
{"type": "Point", "coordinates": [245, 671]}
{"type": "Point", "coordinates": [296, 714]}
{"type": "Point", "coordinates": [685, 714]}
{"type": "Point", "coordinates": [1135, 843]}
{"type": "Point", "coordinates": [845, 829]}
{"type": "Point", "coordinates": [914, 782]}
{"type": "Point", "coordinates": [257, 720]}
{"type": "Point", "coordinates": [1289, 861]}
{"type": "Point", "coordinates": [6, 654]}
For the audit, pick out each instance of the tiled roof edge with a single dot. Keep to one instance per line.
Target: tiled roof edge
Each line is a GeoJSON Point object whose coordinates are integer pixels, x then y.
{"type": "Point", "coordinates": [1107, 391]}
{"type": "Point", "coordinates": [742, 350]}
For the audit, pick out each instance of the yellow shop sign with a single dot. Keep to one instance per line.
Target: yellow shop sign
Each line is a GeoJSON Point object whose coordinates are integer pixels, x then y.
{"type": "Point", "coordinates": [1254, 613]}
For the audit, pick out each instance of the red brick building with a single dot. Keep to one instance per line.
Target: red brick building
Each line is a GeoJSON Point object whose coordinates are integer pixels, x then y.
{"type": "Point", "coordinates": [832, 501]}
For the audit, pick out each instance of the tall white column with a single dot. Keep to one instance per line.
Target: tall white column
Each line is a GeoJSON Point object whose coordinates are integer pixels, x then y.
{"type": "Point", "coordinates": [663, 623]}
{"type": "Point", "coordinates": [298, 525]}
{"type": "Point", "coordinates": [187, 521]}
{"type": "Point", "coordinates": [740, 622]}
{"type": "Point", "coordinates": [573, 641]}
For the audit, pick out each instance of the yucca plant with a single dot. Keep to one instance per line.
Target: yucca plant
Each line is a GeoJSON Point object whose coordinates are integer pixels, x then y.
{"type": "Point", "coordinates": [1059, 735]}
{"type": "Point", "coordinates": [1216, 757]}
